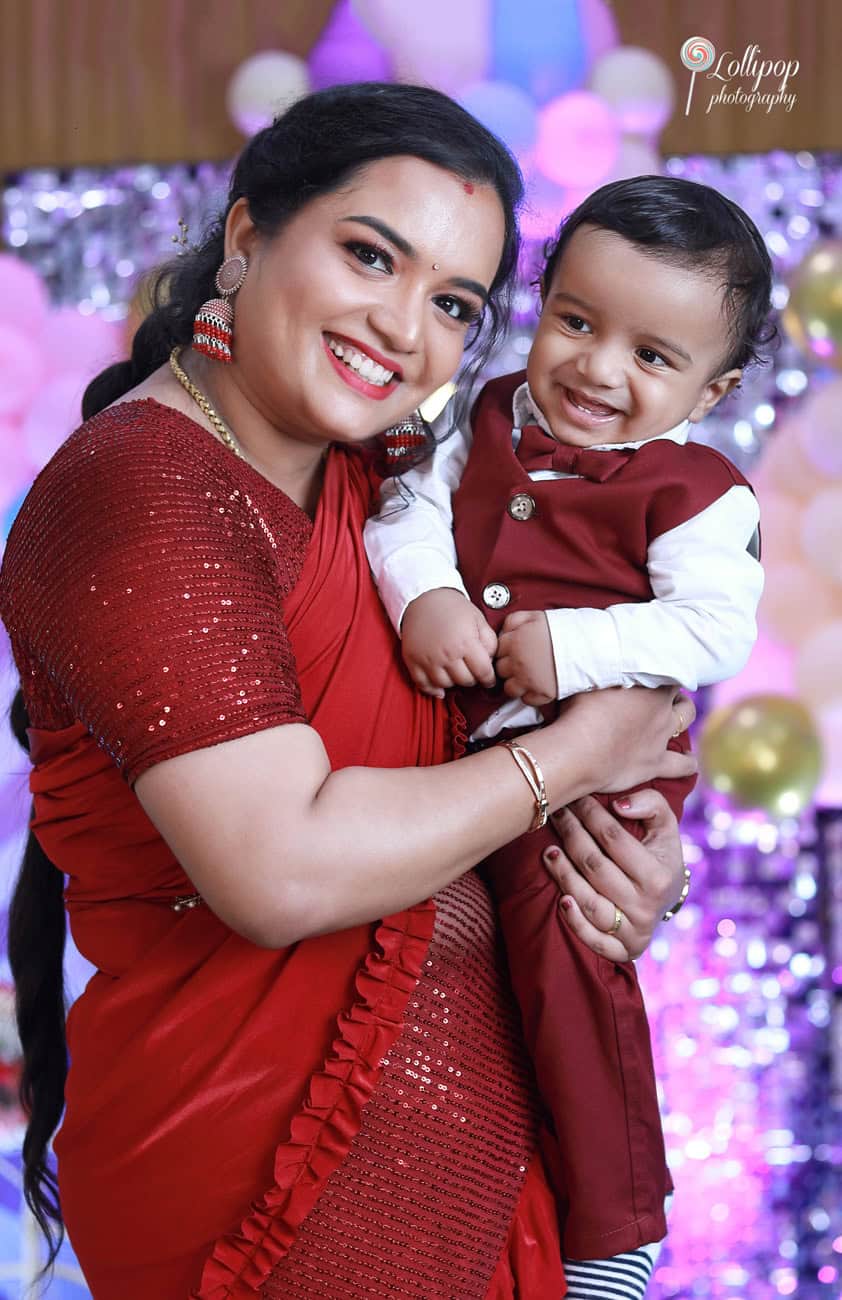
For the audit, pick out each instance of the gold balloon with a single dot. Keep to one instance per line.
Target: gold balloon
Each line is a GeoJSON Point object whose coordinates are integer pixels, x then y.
{"type": "Point", "coordinates": [813, 315]}
{"type": "Point", "coordinates": [762, 752]}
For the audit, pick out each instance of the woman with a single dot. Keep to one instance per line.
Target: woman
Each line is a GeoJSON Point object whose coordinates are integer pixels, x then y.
{"type": "Point", "coordinates": [290, 1075]}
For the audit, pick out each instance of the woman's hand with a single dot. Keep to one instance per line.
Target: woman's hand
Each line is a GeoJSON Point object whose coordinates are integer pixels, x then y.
{"type": "Point", "coordinates": [620, 735]}
{"type": "Point", "coordinates": [600, 867]}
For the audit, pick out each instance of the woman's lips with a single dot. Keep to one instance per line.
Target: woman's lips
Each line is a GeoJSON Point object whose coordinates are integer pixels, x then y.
{"type": "Point", "coordinates": [356, 381]}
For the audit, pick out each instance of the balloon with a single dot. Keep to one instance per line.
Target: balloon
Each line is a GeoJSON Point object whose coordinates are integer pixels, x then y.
{"type": "Point", "coordinates": [813, 315]}
{"type": "Point", "coordinates": [53, 415]}
{"type": "Point", "coordinates": [599, 29]}
{"type": "Point", "coordinates": [538, 45]}
{"type": "Point", "coordinates": [762, 752]}
{"type": "Point", "coordinates": [23, 296]}
{"type": "Point", "coordinates": [16, 467]}
{"type": "Point", "coordinates": [441, 44]}
{"type": "Point", "coordinates": [77, 344]}
{"type": "Point", "coordinates": [817, 667]}
{"type": "Point", "coordinates": [796, 602]}
{"type": "Point", "coordinates": [820, 428]}
{"type": "Point", "coordinates": [785, 466]}
{"type": "Point", "coordinates": [780, 527]}
{"type": "Point", "coordinates": [578, 140]}
{"type": "Point", "coordinates": [346, 52]}
{"type": "Point", "coordinates": [830, 730]}
{"type": "Point", "coordinates": [821, 533]}
{"type": "Point", "coordinates": [636, 158]}
{"type": "Point", "coordinates": [263, 86]}
{"type": "Point", "coordinates": [21, 370]}
{"type": "Point", "coordinates": [504, 109]}
{"type": "Point", "coordinates": [638, 86]}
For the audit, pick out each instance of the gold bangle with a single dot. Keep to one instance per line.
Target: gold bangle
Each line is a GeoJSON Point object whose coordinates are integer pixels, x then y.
{"type": "Point", "coordinates": [682, 897]}
{"type": "Point", "coordinates": [530, 768]}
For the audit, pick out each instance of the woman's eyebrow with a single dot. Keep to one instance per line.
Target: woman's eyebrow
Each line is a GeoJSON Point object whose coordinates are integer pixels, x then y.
{"type": "Point", "coordinates": [404, 246]}
{"type": "Point", "coordinates": [401, 244]}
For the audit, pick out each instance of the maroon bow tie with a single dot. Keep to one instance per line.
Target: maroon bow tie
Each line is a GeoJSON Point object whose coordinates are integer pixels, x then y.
{"type": "Point", "coordinates": [539, 450]}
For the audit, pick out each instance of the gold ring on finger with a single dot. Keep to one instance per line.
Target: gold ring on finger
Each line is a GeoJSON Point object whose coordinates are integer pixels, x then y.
{"type": "Point", "coordinates": [619, 918]}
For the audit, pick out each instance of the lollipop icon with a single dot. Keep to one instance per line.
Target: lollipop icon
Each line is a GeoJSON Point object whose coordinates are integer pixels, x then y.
{"type": "Point", "coordinates": [697, 54]}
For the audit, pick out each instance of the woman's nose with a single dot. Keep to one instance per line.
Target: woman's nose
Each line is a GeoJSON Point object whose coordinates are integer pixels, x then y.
{"type": "Point", "coordinates": [399, 322]}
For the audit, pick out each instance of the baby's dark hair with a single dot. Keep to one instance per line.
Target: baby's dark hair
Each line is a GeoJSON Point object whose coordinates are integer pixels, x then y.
{"type": "Point", "coordinates": [693, 226]}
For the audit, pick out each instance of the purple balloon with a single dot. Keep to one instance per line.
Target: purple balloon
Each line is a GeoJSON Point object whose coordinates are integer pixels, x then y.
{"type": "Point", "coordinates": [346, 52]}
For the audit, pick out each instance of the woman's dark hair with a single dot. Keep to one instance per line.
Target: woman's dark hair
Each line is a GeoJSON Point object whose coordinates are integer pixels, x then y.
{"type": "Point", "coordinates": [691, 226]}
{"type": "Point", "coordinates": [37, 931]}
{"type": "Point", "coordinates": [311, 150]}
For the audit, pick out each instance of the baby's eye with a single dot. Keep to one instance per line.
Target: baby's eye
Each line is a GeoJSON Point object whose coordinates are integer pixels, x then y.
{"type": "Point", "coordinates": [458, 309]}
{"type": "Point", "coordinates": [371, 255]}
{"type": "Point", "coordinates": [576, 323]}
{"type": "Point", "coordinates": [652, 358]}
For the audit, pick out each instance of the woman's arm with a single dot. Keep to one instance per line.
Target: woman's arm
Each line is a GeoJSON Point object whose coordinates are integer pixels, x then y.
{"type": "Point", "coordinates": [282, 848]}
{"type": "Point", "coordinates": [599, 866]}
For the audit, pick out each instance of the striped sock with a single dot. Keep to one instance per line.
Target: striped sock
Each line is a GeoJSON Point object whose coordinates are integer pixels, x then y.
{"type": "Point", "coordinates": [625, 1277]}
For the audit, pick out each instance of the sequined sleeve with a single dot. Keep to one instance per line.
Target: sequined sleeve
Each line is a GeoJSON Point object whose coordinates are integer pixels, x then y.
{"type": "Point", "coordinates": [143, 588]}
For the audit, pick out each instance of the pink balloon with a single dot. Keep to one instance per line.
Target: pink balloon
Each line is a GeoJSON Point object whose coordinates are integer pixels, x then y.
{"type": "Point", "coordinates": [54, 414]}
{"type": "Point", "coordinates": [16, 466]}
{"type": "Point", "coordinates": [23, 296]}
{"type": "Point", "coordinates": [578, 140]}
{"type": "Point", "coordinates": [21, 370]}
{"type": "Point", "coordinates": [820, 429]}
{"type": "Point", "coordinates": [80, 345]}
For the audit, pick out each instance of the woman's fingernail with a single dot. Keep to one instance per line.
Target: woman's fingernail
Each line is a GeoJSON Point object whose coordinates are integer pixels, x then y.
{"type": "Point", "coordinates": [622, 803]}
{"type": "Point", "coordinates": [567, 903]}
{"type": "Point", "coordinates": [553, 854]}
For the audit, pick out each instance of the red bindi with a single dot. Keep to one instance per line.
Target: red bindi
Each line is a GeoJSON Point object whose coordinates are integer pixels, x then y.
{"type": "Point", "coordinates": [469, 189]}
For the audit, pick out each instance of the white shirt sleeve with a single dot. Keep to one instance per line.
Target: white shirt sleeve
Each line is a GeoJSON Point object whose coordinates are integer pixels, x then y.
{"type": "Point", "coordinates": [410, 542]}
{"type": "Point", "coordinates": [699, 629]}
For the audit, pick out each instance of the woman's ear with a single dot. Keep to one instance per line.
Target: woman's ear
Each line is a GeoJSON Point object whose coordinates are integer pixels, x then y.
{"type": "Point", "coordinates": [240, 230]}
{"type": "Point", "coordinates": [713, 392]}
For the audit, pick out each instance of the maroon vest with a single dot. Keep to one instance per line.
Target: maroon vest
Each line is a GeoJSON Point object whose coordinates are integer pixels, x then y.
{"type": "Point", "coordinates": [578, 543]}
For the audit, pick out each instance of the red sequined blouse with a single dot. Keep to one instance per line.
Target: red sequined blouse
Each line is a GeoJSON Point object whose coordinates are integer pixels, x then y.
{"type": "Point", "coordinates": [162, 597]}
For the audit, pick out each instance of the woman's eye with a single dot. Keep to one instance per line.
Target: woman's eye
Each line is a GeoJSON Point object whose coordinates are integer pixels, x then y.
{"type": "Point", "coordinates": [459, 309]}
{"type": "Point", "coordinates": [652, 358]}
{"type": "Point", "coordinates": [371, 255]}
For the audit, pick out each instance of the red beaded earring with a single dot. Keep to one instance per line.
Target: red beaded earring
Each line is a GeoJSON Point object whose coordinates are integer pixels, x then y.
{"type": "Point", "coordinates": [403, 442]}
{"type": "Point", "coordinates": [213, 325]}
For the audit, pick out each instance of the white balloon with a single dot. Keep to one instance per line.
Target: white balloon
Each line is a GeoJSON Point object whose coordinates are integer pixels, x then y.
{"type": "Point", "coordinates": [821, 534]}
{"type": "Point", "coordinates": [639, 87]}
{"type": "Point", "coordinates": [439, 43]}
{"type": "Point", "coordinates": [263, 86]}
{"type": "Point", "coordinates": [820, 429]}
{"type": "Point", "coordinates": [637, 157]}
{"type": "Point", "coordinates": [817, 667]}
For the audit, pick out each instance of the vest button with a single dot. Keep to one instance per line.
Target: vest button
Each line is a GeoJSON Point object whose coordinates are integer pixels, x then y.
{"type": "Point", "coordinates": [496, 595]}
{"type": "Point", "coordinates": [522, 506]}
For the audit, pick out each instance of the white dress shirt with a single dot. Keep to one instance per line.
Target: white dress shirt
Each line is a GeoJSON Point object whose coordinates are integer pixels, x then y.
{"type": "Point", "coordinates": [706, 582]}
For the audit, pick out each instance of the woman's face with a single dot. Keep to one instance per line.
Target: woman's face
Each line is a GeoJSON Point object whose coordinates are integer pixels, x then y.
{"type": "Point", "coordinates": [359, 308]}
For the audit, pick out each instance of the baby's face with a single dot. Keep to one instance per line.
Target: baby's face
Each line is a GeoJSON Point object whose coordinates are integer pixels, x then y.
{"type": "Point", "coordinates": [627, 344]}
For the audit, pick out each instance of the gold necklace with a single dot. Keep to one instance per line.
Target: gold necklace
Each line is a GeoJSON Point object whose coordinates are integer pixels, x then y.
{"type": "Point", "coordinates": [202, 402]}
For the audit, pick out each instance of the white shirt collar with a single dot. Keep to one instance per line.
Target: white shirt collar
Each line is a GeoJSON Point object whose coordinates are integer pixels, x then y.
{"type": "Point", "coordinates": [525, 410]}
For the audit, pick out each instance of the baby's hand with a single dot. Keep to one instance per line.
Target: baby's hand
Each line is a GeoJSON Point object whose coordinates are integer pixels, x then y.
{"type": "Point", "coordinates": [447, 642]}
{"type": "Point", "coordinates": [525, 658]}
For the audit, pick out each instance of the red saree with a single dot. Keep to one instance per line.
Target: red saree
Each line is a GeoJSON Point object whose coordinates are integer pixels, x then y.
{"type": "Point", "coordinates": [213, 1088]}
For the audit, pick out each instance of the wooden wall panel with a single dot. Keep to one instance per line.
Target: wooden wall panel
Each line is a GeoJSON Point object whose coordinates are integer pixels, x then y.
{"type": "Point", "coordinates": [108, 81]}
